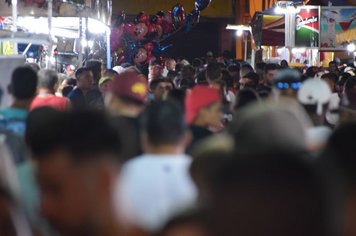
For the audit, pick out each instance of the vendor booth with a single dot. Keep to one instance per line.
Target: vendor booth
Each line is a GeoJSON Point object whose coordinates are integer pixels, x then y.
{"type": "Point", "coordinates": [55, 33]}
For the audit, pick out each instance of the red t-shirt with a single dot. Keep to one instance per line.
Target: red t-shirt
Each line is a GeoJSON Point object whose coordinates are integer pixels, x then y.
{"type": "Point", "coordinates": [59, 103]}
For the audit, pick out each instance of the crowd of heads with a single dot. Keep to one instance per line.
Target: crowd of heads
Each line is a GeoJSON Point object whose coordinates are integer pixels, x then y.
{"type": "Point", "coordinates": [216, 147]}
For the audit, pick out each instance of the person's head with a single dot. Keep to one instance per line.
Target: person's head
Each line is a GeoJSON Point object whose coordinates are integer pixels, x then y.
{"type": "Point", "coordinates": [154, 70]}
{"type": "Point", "coordinates": [213, 72]}
{"type": "Point", "coordinates": [333, 67]}
{"type": "Point", "coordinates": [227, 78]}
{"type": "Point", "coordinates": [128, 90]}
{"type": "Point", "coordinates": [275, 193]}
{"type": "Point", "coordinates": [331, 79]}
{"type": "Point", "coordinates": [170, 64]}
{"type": "Point", "coordinates": [312, 71]}
{"type": "Point", "coordinates": [341, 83]}
{"type": "Point", "coordinates": [163, 125]}
{"type": "Point", "coordinates": [77, 155]}
{"type": "Point", "coordinates": [287, 83]}
{"type": "Point", "coordinates": [110, 73]}
{"type": "Point", "coordinates": [260, 69]}
{"type": "Point", "coordinates": [244, 69]}
{"type": "Point", "coordinates": [245, 97]}
{"type": "Point", "coordinates": [23, 83]}
{"type": "Point", "coordinates": [314, 95]}
{"type": "Point", "coordinates": [85, 79]}
{"type": "Point", "coordinates": [187, 72]}
{"type": "Point", "coordinates": [284, 64]}
{"type": "Point", "coordinates": [96, 68]}
{"type": "Point", "coordinates": [160, 88]}
{"type": "Point", "coordinates": [250, 80]}
{"type": "Point", "coordinates": [197, 63]}
{"type": "Point", "coordinates": [203, 106]}
{"type": "Point", "coordinates": [270, 71]}
{"type": "Point", "coordinates": [255, 123]}
{"type": "Point", "coordinates": [104, 84]}
{"type": "Point", "coordinates": [48, 79]}
{"type": "Point", "coordinates": [177, 95]}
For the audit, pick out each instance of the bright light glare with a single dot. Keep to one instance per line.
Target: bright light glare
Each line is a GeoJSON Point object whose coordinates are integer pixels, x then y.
{"type": "Point", "coordinates": [351, 47]}
{"type": "Point", "coordinates": [86, 43]}
{"type": "Point", "coordinates": [239, 33]}
{"type": "Point", "coordinates": [301, 50]}
{"type": "Point", "coordinates": [280, 51]}
{"type": "Point", "coordinates": [279, 10]}
{"type": "Point", "coordinates": [97, 27]}
{"type": "Point", "coordinates": [294, 51]}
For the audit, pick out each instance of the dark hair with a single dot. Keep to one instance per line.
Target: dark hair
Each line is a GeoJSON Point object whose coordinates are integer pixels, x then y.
{"type": "Point", "coordinates": [154, 83]}
{"type": "Point", "coordinates": [72, 82]}
{"type": "Point", "coordinates": [312, 71]}
{"type": "Point", "coordinates": [201, 77]}
{"type": "Point", "coordinates": [234, 68]}
{"type": "Point", "coordinates": [171, 75]}
{"type": "Point", "coordinates": [227, 78]}
{"type": "Point", "coordinates": [23, 83]}
{"type": "Point", "coordinates": [254, 79]}
{"type": "Point", "coordinates": [197, 63]}
{"type": "Point", "coordinates": [187, 72]}
{"type": "Point", "coordinates": [271, 66]}
{"type": "Point", "coordinates": [66, 91]}
{"type": "Point", "coordinates": [47, 79]}
{"type": "Point", "coordinates": [178, 96]}
{"type": "Point", "coordinates": [95, 67]}
{"type": "Point", "coordinates": [164, 123]}
{"type": "Point", "coordinates": [244, 97]}
{"type": "Point", "coordinates": [350, 85]}
{"type": "Point", "coordinates": [80, 71]}
{"type": "Point", "coordinates": [213, 71]}
{"type": "Point", "coordinates": [330, 76]}
{"type": "Point", "coordinates": [110, 72]}
{"type": "Point", "coordinates": [82, 133]}
{"type": "Point", "coordinates": [255, 195]}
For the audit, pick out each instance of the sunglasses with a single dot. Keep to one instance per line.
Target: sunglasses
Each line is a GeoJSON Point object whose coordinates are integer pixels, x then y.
{"type": "Point", "coordinates": [285, 86]}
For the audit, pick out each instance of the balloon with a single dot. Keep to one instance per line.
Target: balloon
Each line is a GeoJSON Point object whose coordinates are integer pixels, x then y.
{"type": "Point", "coordinates": [141, 30]}
{"type": "Point", "coordinates": [140, 56]}
{"type": "Point", "coordinates": [129, 28]}
{"type": "Point", "coordinates": [115, 38]}
{"type": "Point", "coordinates": [201, 4]}
{"type": "Point", "coordinates": [159, 31]}
{"type": "Point", "coordinates": [192, 19]}
{"type": "Point", "coordinates": [178, 15]}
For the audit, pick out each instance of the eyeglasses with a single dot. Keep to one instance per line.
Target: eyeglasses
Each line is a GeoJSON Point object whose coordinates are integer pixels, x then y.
{"type": "Point", "coordinates": [285, 86]}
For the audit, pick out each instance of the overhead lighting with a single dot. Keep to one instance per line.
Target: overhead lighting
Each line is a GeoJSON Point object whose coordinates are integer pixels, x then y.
{"type": "Point", "coordinates": [351, 47]}
{"type": "Point", "coordinates": [239, 27]}
{"type": "Point", "coordinates": [239, 33]}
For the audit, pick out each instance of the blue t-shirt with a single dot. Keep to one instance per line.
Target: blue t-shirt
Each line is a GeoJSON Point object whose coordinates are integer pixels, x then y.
{"type": "Point", "coordinates": [14, 120]}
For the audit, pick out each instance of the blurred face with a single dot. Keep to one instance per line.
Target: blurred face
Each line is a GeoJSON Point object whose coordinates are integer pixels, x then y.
{"type": "Point", "coordinates": [332, 67]}
{"type": "Point", "coordinates": [244, 82]}
{"type": "Point", "coordinates": [162, 90]}
{"type": "Point", "coordinates": [171, 65]}
{"type": "Point", "coordinates": [154, 71]}
{"type": "Point", "coordinates": [212, 114]}
{"type": "Point", "coordinates": [105, 87]}
{"type": "Point", "coordinates": [85, 80]}
{"type": "Point", "coordinates": [68, 194]}
{"type": "Point", "coordinates": [270, 75]}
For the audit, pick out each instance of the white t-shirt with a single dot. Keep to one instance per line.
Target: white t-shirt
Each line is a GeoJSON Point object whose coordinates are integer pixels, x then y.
{"type": "Point", "coordinates": [152, 188]}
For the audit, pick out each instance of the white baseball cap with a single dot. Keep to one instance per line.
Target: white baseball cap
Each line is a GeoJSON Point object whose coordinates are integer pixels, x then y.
{"type": "Point", "coordinates": [314, 92]}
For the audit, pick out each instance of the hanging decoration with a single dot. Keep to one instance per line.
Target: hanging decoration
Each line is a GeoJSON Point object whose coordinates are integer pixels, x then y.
{"type": "Point", "coordinates": [139, 42]}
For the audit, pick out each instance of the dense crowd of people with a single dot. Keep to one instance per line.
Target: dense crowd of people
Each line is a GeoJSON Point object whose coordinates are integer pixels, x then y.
{"type": "Point", "coordinates": [214, 147]}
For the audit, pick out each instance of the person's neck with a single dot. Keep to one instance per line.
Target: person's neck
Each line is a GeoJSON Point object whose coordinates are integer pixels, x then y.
{"type": "Point", "coordinates": [165, 149]}
{"type": "Point", "coordinates": [22, 104]}
{"type": "Point", "coordinates": [45, 91]}
{"type": "Point", "coordinates": [200, 122]}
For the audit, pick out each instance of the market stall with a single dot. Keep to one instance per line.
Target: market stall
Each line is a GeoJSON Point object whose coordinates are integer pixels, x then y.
{"type": "Point", "coordinates": [65, 32]}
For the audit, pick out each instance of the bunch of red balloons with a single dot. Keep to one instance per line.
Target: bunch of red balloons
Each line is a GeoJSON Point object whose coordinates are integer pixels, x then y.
{"type": "Point", "coordinates": [138, 42]}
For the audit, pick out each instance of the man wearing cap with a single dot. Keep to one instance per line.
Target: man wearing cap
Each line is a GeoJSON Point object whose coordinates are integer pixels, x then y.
{"type": "Point", "coordinates": [126, 100]}
{"type": "Point", "coordinates": [203, 110]}
{"type": "Point", "coordinates": [104, 84]}
{"type": "Point", "coordinates": [315, 95]}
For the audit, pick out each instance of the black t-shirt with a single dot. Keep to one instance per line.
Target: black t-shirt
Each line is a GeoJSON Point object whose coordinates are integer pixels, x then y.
{"type": "Point", "coordinates": [130, 133]}
{"type": "Point", "coordinates": [198, 134]}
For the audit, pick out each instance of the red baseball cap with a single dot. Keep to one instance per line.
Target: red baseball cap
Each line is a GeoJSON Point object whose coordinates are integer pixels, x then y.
{"type": "Point", "coordinates": [130, 85]}
{"type": "Point", "coordinates": [199, 97]}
